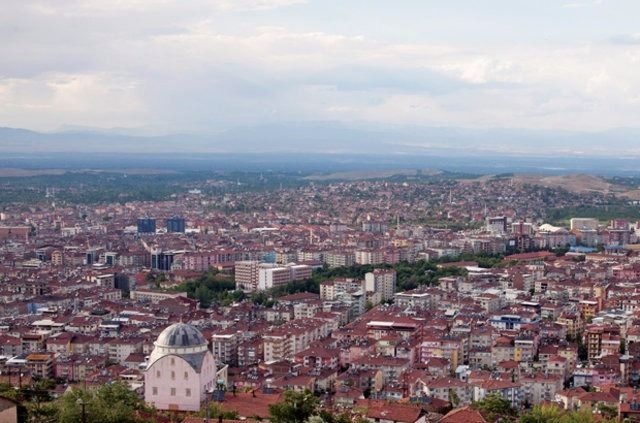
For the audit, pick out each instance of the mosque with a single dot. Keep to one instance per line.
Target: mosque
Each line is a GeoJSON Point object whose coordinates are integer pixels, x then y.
{"type": "Point", "coordinates": [180, 370]}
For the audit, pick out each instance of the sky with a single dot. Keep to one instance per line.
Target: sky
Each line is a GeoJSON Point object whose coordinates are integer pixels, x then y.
{"type": "Point", "coordinates": [203, 66]}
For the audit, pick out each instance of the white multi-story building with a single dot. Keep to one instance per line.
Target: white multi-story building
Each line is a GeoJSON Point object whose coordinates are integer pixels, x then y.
{"type": "Point", "coordinates": [271, 276]}
{"type": "Point", "coordinates": [382, 281]}
{"type": "Point", "coordinates": [246, 275]}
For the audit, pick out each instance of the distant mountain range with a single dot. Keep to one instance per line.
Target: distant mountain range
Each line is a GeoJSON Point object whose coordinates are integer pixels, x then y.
{"type": "Point", "coordinates": [335, 138]}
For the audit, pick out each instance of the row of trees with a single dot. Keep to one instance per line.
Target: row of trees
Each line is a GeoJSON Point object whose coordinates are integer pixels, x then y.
{"type": "Point", "coordinates": [110, 403]}
{"type": "Point", "coordinates": [303, 407]}
{"type": "Point", "coordinates": [494, 408]}
{"type": "Point", "coordinates": [116, 403]}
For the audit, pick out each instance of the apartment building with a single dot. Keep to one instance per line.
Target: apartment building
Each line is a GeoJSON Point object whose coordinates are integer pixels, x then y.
{"type": "Point", "coordinates": [382, 281]}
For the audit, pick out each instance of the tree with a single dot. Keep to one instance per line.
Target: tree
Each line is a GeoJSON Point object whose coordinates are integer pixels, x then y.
{"type": "Point", "coordinates": [111, 403]}
{"type": "Point", "coordinates": [494, 407]}
{"type": "Point", "coordinates": [453, 398]}
{"type": "Point", "coordinates": [296, 407]}
{"type": "Point", "coordinates": [583, 353]}
{"type": "Point", "coordinates": [608, 411]}
{"type": "Point", "coordinates": [543, 414]}
{"type": "Point", "coordinates": [554, 414]}
{"type": "Point", "coordinates": [215, 412]}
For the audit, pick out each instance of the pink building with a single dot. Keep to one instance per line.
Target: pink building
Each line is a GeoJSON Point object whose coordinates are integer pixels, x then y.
{"type": "Point", "coordinates": [180, 371]}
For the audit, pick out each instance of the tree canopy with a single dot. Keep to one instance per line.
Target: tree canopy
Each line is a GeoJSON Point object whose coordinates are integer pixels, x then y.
{"type": "Point", "coordinates": [296, 407]}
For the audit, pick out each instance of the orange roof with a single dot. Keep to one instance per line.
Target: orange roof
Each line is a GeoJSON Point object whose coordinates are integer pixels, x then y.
{"type": "Point", "coordinates": [463, 415]}
{"type": "Point", "coordinates": [38, 357]}
{"type": "Point", "coordinates": [249, 405]}
{"type": "Point", "coordinates": [391, 411]}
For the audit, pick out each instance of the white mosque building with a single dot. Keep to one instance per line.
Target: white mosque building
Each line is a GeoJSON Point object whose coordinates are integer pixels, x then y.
{"type": "Point", "coordinates": [180, 370]}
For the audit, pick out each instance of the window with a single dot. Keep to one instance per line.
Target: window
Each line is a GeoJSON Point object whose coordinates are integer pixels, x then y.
{"type": "Point", "coordinates": [173, 375]}
{"type": "Point", "coordinates": [154, 390]}
{"type": "Point", "coordinates": [188, 392]}
{"type": "Point", "coordinates": [158, 374]}
{"type": "Point", "coordinates": [186, 375]}
{"type": "Point", "coordinates": [173, 361]}
{"type": "Point", "coordinates": [173, 392]}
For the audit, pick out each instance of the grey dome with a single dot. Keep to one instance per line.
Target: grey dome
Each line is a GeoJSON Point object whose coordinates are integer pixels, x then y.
{"type": "Point", "coordinates": [183, 341]}
{"type": "Point", "coordinates": [180, 335]}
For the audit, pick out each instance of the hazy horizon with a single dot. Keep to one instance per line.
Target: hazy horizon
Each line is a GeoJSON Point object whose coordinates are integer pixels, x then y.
{"type": "Point", "coordinates": [142, 67]}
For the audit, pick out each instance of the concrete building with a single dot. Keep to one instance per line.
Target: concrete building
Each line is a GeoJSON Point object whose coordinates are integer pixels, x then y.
{"type": "Point", "coordinates": [271, 276]}
{"type": "Point", "coordinates": [247, 274]}
{"type": "Point", "coordinates": [583, 224]}
{"type": "Point", "coordinates": [382, 281]}
{"type": "Point", "coordinates": [497, 225]}
{"type": "Point", "coordinates": [339, 258]}
{"type": "Point", "coordinates": [155, 296]}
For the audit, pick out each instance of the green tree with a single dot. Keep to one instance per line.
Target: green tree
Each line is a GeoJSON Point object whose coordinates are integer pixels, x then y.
{"type": "Point", "coordinates": [583, 353]}
{"type": "Point", "coordinates": [543, 414]}
{"type": "Point", "coordinates": [111, 403]}
{"type": "Point", "coordinates": [609, 412]}
{"type": "Point", "coordinates": [215, 412]}
{"type": "Point", "coordinates": [494, 407]}
{"type": "Point", "coordinates": [296, 407]}
{"type": "Point", "coordinates": [554, 414]}
{"type": "Point", "coordinates": [453, 398]}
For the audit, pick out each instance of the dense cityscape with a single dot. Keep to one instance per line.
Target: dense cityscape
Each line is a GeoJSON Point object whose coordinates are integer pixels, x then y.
{"type": "Point", "coordinates": [398, 299]}
{"type": "Point", "coordinates": [319, 211]}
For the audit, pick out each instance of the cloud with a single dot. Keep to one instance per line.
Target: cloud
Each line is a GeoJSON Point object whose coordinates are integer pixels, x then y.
{"type": "Point", "coordinates": [587, 3]}
{"type": "Point", "coordinates": [627, 39]}
{"type": "Point", "coordinates": [88, 99]}
{"type": "Point", "coordinates": [69, 7]}
{"type": "Point", "coordinates": [247, 5]}
{"type": "Point", "coordinates": [208, 65]}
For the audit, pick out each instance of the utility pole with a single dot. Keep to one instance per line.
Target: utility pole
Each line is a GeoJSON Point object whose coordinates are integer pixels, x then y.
{"type": "Point", "coordinates": [206, 401]}
{"type": "Point", "coordinates": [83, 405]}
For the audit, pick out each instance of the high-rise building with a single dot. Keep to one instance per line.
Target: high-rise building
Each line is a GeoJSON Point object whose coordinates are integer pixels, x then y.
{"type": "Point", "coordinates": [497, 225]}
{"type": "Point", "coordinates": [253, 275]}
{"type": "Point", "coordinates": [175, 224]}
{"type": "Point", "coordinates": [601, 340]}
{"type": "Point", "coordinates": [162, 260]}
{"type": "Point", "coordinates": [246, 275]}
{"type": "Point", "coordinates": [382, 281]}
{"type": "Point", "coordinates": [111, 258]}
{"type": "Point", "coordinates": [146, 226]}
{"type": "Point", "coordinates": [91, 256]}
